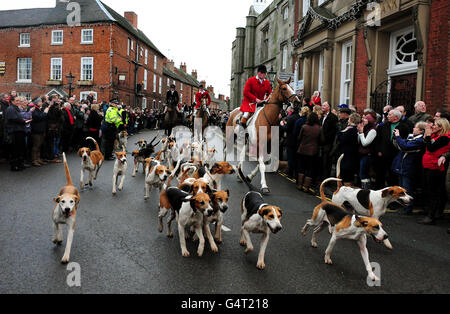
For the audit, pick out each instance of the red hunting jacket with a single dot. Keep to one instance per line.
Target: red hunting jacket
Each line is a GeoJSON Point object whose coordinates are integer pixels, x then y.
{"type": "Point", "coordinates": [253, 90]}
{"type": "Point", "coordinates": [199, 96]}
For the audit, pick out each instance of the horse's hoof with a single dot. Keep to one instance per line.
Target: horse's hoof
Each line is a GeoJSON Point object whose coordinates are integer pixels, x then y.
{"type": "Point", "coordinates": [265, 191]}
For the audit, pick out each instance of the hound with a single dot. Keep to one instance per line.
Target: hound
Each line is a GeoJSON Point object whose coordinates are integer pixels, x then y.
{"type": "Point", "coordinates": [219, 203]}
{"type": "Point", "coordinates": [189, 211]}
{"type": "Point", "coordinates": [121, 141]}
{"type": "Point", "coordinates": [90, 161]}
{"type": "Point", "coordinates": [120, 169]}
{"type": "Point", "coordinates": [368, 202]}
{"type": "Point", "coordinates": [258, 217]}
{"type": "Point", "coordinates": [65, 213]}
{"type": "Point", "coordinates": [145, 151]}
{"type": "Point", "coordinates": [344, 226]}
{"type": "Point", "coordinates": [155, 175]}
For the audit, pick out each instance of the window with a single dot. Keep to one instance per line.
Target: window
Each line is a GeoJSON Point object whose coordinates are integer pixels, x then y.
{"type": "Point", "coordinates": [154, 83]}
{"type": "Point", "coordinates": [181, 98]}
{"type": "Point", "coordinates": [24, 40]}
{"type": "Point", "coordinates": [155, 62]}
{"type": "Point", "coordinates": [146, 56]}
{"type": "Point", "coordinates": [305, 7]}
{"type": "Point", "coordinates": [181, 86]}
{"type": "Point", "coordinates": [321, 68]}
{"type": "Point", "coordinates": [265, 44]}
{"type": "Point", "coordinates": [87, 69]}
{"type": "Point", "coordinates": [57, 37]}
{"type": "Point", "coordinates": [284, 57]}
{"type": "Point", "coordinates": [403, 47]}
{"type": "Point", "coordinates": [129, 47]}
{"type": "Point", "coordinates": [27, 95]}
{"type": "Point", "coordinates": [285, 13]}
{"type": "Point", "coordinates": [160, 85]}
{"type": "Point", "coordinates": [84, 95]}
{"type": "Point", "coordinates": [346, 73]}
{"type": "Point", "coordinates": [56, 69]}
{"type": "Point", "coordinates": [87, 36]}
{"type": "Point", "coordinates": [168, 82]}
{"type": "Point", "coordinates": [132, 45]}
{"type": "Point", "coordinates": [24, 69]}
{"type": "Point", "coordinates": [145, 79]}
{"type": "Point", "coordinates": [144, 103]}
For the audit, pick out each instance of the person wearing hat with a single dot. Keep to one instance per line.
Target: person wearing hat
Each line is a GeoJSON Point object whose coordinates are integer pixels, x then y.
{"type": "Point", "coordinates": [172, 97]}
{"type": "Point", "coordinates": [344, 114]}
{"type": "Point", "coordinates": [200, 96]}
{"type": "Point", "coordinates": [112, 122]}
{"type": "Point", "coordinates": [256, 90]}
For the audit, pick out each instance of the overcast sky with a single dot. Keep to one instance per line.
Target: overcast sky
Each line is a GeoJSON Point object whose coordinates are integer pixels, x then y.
{"type": "Point", "coordinates": [198, 32]}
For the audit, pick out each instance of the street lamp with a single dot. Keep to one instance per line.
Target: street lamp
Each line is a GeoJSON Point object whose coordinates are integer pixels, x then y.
{"type": "Point", "coordinates": [70, 78]}
{"type": "Point", "coordinates": [272, 75]}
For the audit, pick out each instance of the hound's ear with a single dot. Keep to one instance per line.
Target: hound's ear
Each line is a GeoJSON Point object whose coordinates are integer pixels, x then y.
{"type": "Point", "coordinates": [387, 192]}
{"type": "Point", "coordinates": [191, 189]}
{"type": "Point", "coordinates": [80, 152]}
{"type": "Point", "coordinates": [262, 212]}
{"type": "Point", "coordinates": [215, 168]}
{"type": "Point", "coordinates": [228, 192]}
{"type": "Point", "coordinates": [209, 190]}
{"type": "Point", "coordinates": [192, 201]}
{"type": "Point", "coordinates": [57, 199]}
{"type": "Point", "coordinates": [77, 199]}
{"type": "Point", "coordinates": [89, 152]}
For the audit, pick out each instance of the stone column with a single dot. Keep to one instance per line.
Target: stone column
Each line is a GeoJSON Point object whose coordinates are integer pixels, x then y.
{"type": "Point", "coordinates": [327, 73]}
{"type": "Point", "coordinates": [307, 74]}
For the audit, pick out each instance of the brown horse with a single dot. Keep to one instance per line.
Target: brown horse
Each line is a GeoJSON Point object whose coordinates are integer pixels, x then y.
{"type": "Point", "coordinates": [267, 117]}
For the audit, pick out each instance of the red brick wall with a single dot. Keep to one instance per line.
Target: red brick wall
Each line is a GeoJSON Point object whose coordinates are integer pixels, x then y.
{"type": "Point", "coordinates": [437, 92]}
{"type": "Point", "coordinates": [361, 74]}
{"type": "Point", "coordinates": [107, 37]}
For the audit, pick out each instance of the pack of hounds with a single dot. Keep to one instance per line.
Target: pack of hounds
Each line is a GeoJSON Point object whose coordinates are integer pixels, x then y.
{"type": "Point", "coordinates": [199, 200]}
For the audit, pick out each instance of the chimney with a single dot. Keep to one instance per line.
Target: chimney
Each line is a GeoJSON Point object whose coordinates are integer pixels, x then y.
{"type": "Point", "coordinates": [211, 90]}
{"type": "Point", "coordinates": [132, 18]}
{"type": "Point", "coordinates": [194, 74]}
{"type": "Point", "coordinates": [183, 67]}
{"type": "Point", "coordinates": [170, 65]}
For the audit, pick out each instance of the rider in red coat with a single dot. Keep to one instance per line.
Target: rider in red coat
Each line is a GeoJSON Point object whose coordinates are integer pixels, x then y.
{"type": "Point", "coordinates": [202, 94]}
{"type": "Point", "coordinates": [256, 90]}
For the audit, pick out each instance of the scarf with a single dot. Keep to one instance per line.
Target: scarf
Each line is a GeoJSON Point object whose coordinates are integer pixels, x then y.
{"type": "Point", "coordinates": [70, 116]}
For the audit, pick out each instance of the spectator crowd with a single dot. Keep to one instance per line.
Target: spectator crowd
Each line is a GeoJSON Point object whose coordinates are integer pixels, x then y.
{"type": "Point", "coordinates": [379, 150]}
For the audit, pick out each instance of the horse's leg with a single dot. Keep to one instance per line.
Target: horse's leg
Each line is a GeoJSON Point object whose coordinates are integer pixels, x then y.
{"type": "Point", "coordinates": [262, 168]}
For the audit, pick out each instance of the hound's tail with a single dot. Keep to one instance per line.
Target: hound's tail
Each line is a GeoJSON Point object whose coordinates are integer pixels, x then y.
{"type": "Point", "coordinates": [242, 177]}
{"type": "Point", "coordinates": [95, 142]}
{"type": "Point", "coordinates": [174, 173]}
{"type": "Point", "coordinates": [322, 193]}
{"type": "Point", "coordinates": [338, 170]}
{"type": "Point", "coordinates": [66, 166]}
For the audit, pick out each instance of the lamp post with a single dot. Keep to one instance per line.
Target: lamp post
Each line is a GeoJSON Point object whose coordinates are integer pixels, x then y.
{"type": "Point", "coordinates": [70, 78]}
{"type": "Point", "coordinates": [272, 75]}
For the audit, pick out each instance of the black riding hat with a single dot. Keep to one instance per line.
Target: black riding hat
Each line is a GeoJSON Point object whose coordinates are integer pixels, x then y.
{"type": "Point", "coordinates": [172, 86]}
{"type": "Point", "coordinates": [262, 68]}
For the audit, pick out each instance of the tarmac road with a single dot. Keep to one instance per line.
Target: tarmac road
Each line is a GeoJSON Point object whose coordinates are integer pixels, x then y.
{"type": "Point", "coordinates": [119, 249]}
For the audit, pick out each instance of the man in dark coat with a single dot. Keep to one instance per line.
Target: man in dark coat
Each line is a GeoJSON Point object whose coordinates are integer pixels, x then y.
{"type": "Point", "coordinates": [329, 128]}
{"type": "Point", "coordinates": [291, 143]}
{"type": "Point", "coordinates": [15, 128]}
{"type": "Point", "coordinates": [386, 151]}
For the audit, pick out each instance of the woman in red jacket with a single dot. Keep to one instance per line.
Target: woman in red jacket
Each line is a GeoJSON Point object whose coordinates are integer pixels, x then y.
{"type": "Point", "coordinates": [437, 140]}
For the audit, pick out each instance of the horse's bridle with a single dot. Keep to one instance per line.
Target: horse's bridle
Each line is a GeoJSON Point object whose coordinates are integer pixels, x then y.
{"type": "Point", "coordinates": [285, 101]}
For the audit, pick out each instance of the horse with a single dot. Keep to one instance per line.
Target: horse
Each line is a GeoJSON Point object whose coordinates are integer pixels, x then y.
{"type": "Point", "coordinates": [201, 114]}
{"type": "Point", "coordinates": [171, 118]}
{"type": "Point", "coordinates": [268, 116]}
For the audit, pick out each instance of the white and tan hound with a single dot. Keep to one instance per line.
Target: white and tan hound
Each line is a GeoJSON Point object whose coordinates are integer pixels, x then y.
{"type": "Point", "coordinates": [92, 161]}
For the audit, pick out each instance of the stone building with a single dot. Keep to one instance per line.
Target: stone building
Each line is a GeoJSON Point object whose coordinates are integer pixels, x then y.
{"type": "Point", "coordinates": [266, 39]}
{"type": "Point", "coordinates": [369, 54]}
{"type": "Point", "coordinates": [106, 53]}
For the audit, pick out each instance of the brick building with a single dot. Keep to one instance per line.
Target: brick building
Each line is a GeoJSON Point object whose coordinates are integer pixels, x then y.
{"type": "Point", "coordinates": [107, 54]}
{"type": "Point", "coordinates": [397, 54]}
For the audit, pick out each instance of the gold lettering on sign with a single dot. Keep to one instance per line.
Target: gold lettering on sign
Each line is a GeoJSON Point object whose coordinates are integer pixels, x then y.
{"type": "Point", "coordinates": [389, 7]}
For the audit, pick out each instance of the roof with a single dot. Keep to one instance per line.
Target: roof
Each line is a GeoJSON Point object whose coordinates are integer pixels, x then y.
{"type": "Point", "coordinates": [181, 76]}
{"type": "Point", "coordinates": [93, 11]}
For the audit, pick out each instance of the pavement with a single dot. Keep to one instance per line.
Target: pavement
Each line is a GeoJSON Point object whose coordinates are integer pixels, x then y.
{"type": "Point", "coordinates": [119, 249]}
